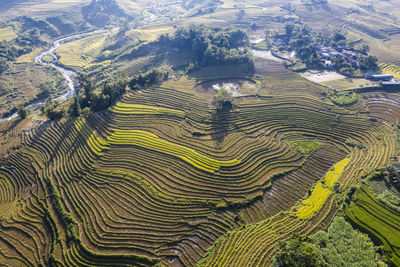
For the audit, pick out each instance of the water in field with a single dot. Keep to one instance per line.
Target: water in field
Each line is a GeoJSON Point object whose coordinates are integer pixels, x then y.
{"type": "Point", "coordinates": [237, 87]}
{"type": "Point", "coordinates": [229, 86]}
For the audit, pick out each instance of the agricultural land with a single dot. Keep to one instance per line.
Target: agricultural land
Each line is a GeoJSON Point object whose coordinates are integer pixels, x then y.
{"type": "Point", "coordinates": [199, 133]}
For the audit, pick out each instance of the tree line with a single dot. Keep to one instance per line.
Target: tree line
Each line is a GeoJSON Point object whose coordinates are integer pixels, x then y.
{"type": "Point", "coordinates": [89, 99]}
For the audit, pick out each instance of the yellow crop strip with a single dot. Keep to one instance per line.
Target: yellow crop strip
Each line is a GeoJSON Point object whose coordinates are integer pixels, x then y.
{"type": "Point", "coordinates": [151, 141]}
{"type": "Point", "coordinates": [332, 175]}
{"type": "Point", "coordinates": [390, 69]}
{"type": "Point", "coordinates": [320, 193]}
{"type": "Point", "coordinates": [96, 143]}
{"type": "Point", "coordinates": [315, 202]}
{"type": "Point", "coordinates": [124, 108]}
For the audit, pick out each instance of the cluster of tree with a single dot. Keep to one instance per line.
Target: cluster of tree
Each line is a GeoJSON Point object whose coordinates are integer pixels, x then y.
{"type": "Point", "coordinates": [51, 111]}
{"type": "Point", "coordinates": [22, 112]}
{"type": "Point", "coordinates": [340, 245]}
{"type": "Point", "coordinates": [223, 99]}
{"type": "Point", "coordinates": [368, 63]}
{"type": "Point", "coordinates": [89, 99]}
{"type": "Point", "coordinates": [365, 64]}
{"type": "Point", "coordinates": [300, 39]}
{"type": "Point", "coordinates": [211, 45]}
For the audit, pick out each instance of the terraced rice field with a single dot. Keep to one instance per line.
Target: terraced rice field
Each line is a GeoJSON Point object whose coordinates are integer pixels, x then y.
{"type": "Point", "coordinates": [163, 177]}
{"type": "Point", "coordinates": [390, 69]}
{"type": "Point", "coordinates": [377, 220]}
{"type": "Point", "coordinates": [81, 53]}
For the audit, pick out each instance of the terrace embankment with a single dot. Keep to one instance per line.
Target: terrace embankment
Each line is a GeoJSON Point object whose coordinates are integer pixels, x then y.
{"type": "Point", "coordinates": [162, 175]}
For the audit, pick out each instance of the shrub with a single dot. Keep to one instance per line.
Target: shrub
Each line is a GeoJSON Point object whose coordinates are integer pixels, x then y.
{"type": "Point", "coordinates": [22, 112]}
{"type": "Point", "coordinates": [223, 99]}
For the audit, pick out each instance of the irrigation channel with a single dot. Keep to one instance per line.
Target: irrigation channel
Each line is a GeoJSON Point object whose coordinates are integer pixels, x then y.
{"type": "Point", "coordinates": [68, 75]}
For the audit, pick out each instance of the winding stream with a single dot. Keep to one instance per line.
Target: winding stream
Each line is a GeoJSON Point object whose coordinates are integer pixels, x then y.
{"type": "Point", "coordinates": [68, 75]}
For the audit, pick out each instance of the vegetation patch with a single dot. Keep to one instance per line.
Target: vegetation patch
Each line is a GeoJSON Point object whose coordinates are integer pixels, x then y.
{"type": "Point", "coordinates": [305, 147]}
{"type": "Point", "coordinates": [343, 98]}
{"type": "Point", "coordinates": [96, 143]}
{"type": "Point", "coordinates": [339, 245]}
{"type": "Point", "coordinates": [314, 203]}
{"type": "Point", "coordinates": [322, 191]}
{"type": "Point", "coordinates": [211, 45]}
{"type": "Point", "coordinates": [333, 175]}
{"type": "Point", "coordinates": [378, 220]}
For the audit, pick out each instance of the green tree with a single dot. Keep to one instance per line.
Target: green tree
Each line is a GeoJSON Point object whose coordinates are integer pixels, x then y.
{"type": "Point", "coordinates": [364, 49]}
{"type": "Point", "coordinates": [22, 112]}
{"type": "Point", "coordinates": [52, 113]}
{"type": "Point", "coordinates": [75, 108]}
{"type": "Point", "coordinates": [4, 65]}
{"type": "Point", "coordinates": [368, 63]}
{"type": "Point", "coordinates": [223, 99]}
{"type": "Point", "coordinates": [297, 253]}
{"type": "Point", "coordinates": [289, 27]}
{"type": "Point", "coordinates": [340, 245]}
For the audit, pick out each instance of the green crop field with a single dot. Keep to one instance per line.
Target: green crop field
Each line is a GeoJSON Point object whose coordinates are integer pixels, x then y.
{"type": "Point", "coordinates": [141, 167]}
{"type": "Point", "coordinates": [378, 220]}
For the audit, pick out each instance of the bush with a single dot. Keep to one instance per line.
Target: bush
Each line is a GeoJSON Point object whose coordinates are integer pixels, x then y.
{"type": "Point", "coordinates": [74, 108]}
{"type": "Point", "coordinates": [368, 63]}
{"type": "Point", "coordinates": [53, 114]}
{"type": "Point", "coordinates": [22, 112]}
{"type": "Point", "coordinates": [390, 200]}
{"type": "Point", "coordinates": [305, 147]}
{"type": "Point", "coordinates": [298, 253]}
{"type": "Point", "coordinates": [223, 99]}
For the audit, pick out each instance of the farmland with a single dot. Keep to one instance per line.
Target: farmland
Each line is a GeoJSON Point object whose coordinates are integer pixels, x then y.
{"type": "Point", "coordinates": [140, 167]}
{"type": "Point", "coordinates": [378, 220]}
{"type": "Point", "coordinates": [105, 165]}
